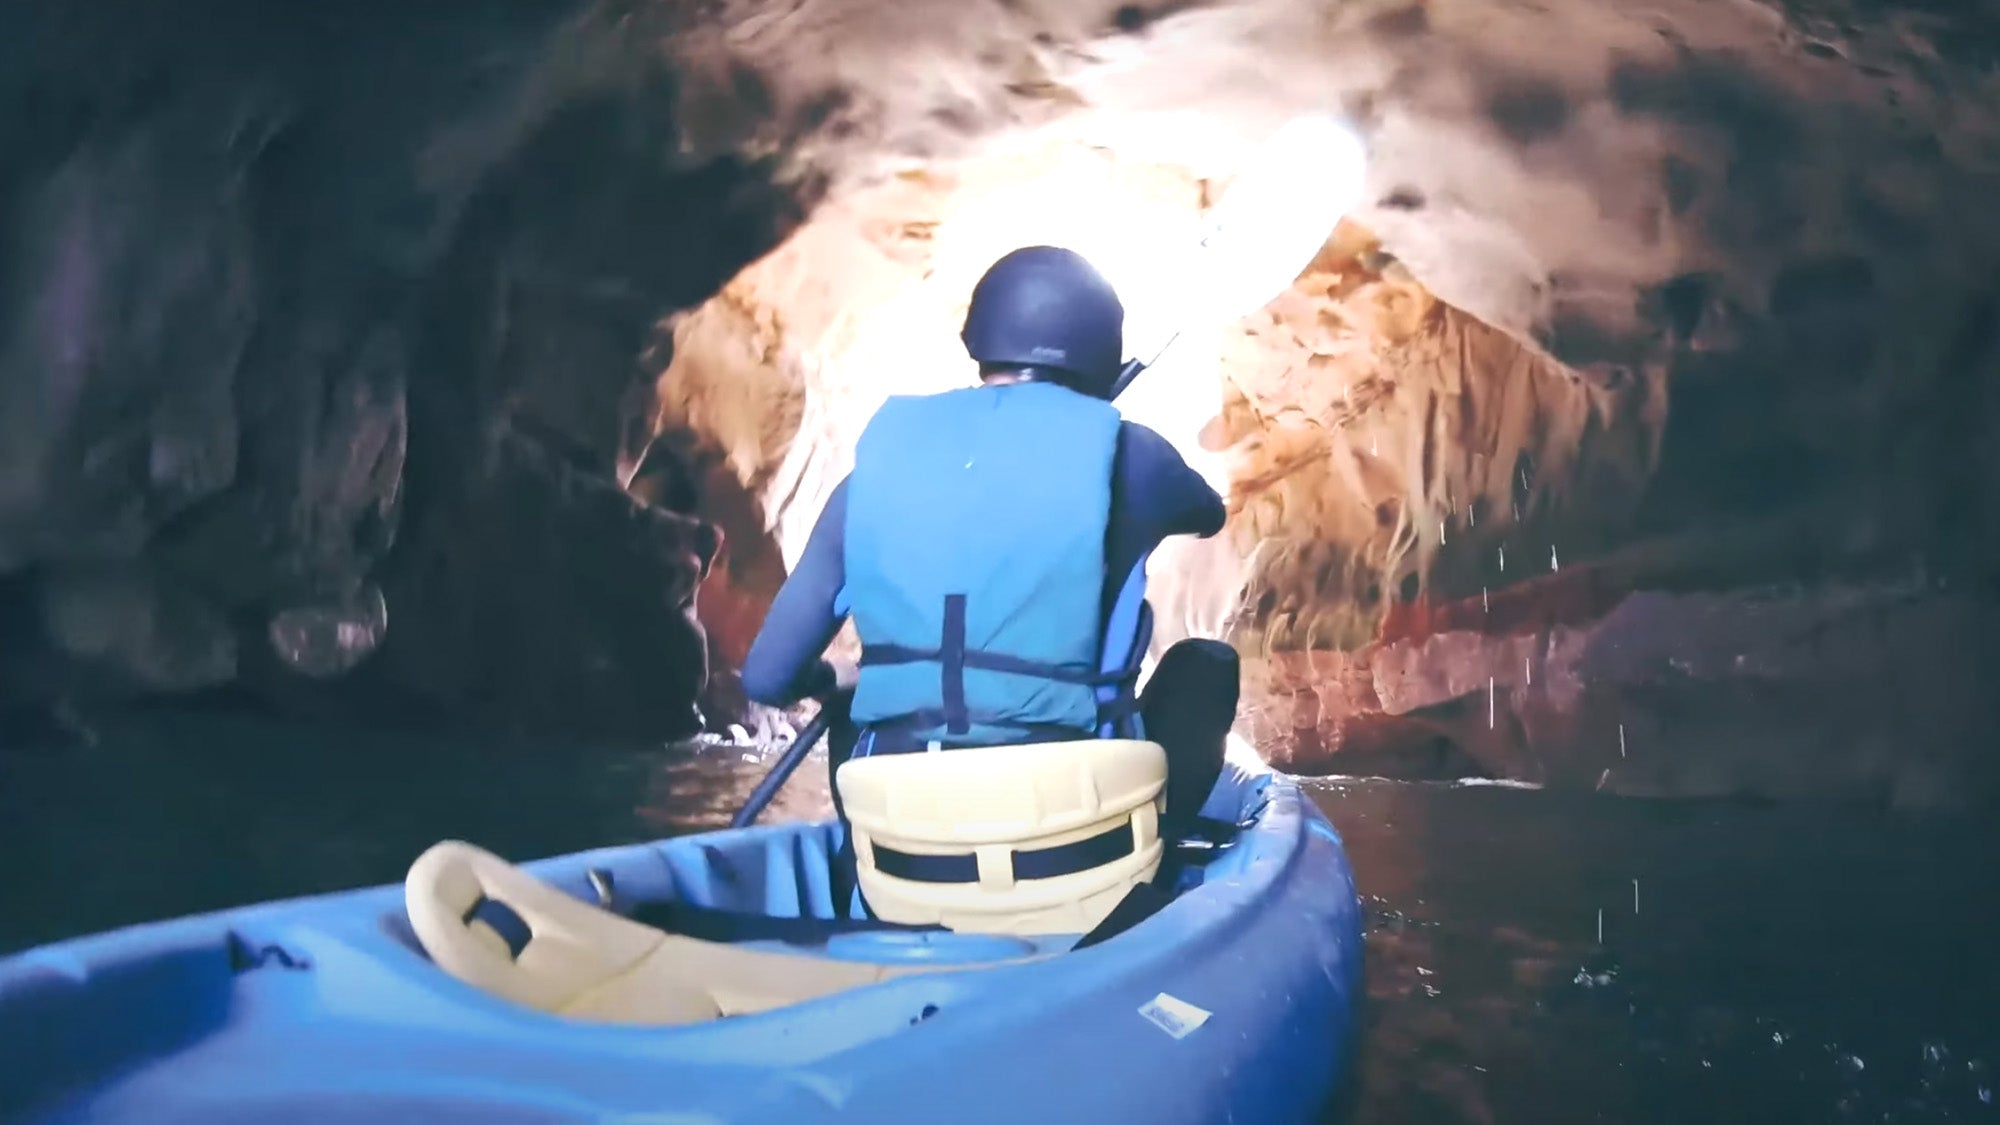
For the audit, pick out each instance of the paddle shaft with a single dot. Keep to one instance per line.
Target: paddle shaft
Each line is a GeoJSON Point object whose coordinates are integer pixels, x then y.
{"type": "Point", "coordinates": [1134, 367]}
{"type": "Point", "coordinates": [787, 764]}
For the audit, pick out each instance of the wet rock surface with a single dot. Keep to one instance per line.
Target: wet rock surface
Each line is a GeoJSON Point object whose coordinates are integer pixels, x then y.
{"type": "Point", "coordinates": [1876, 694]}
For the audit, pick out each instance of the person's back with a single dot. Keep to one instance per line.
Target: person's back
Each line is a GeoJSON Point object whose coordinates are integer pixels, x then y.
{"type": "Point", "coordinates": [975, 545]}
{"type": "Point", "coordinates": [990, 546]}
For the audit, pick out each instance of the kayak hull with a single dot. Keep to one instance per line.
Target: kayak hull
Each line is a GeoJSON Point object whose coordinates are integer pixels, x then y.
{"type": "Point", "coordinates": [1234, 1002]}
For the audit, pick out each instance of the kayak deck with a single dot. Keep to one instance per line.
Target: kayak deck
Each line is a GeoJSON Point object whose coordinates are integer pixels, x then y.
{"type": "Point", "coordinates": [327, 1009]}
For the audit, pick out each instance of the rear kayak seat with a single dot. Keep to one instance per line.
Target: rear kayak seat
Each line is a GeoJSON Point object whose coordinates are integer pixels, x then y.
{"type": "Point", "coordinates": [1026, 840]}
{"type": "Point", "coordinates": [1017, 840]}
{"type": "Point", "coordinates": [499, 929]}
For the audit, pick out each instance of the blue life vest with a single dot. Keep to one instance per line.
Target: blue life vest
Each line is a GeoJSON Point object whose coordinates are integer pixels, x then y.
{"type": "Point", "coordinates": [975, 565]}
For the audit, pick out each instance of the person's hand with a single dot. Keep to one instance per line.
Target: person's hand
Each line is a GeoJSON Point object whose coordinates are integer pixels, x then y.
{"type": "Point", "coordinates": [835, 677]}
{"type": "Point", "coordinates": [845, 675]}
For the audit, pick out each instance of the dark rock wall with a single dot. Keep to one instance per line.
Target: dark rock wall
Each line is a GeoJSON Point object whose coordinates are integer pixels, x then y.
{"type": "Point", "coordinates": [314, 322]}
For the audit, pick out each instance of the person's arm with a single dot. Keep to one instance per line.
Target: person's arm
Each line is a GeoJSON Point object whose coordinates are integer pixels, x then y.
{"type": "Point", "coordinates": [1154, 496]}
{"type": "Point", "coordinates": [1162, 493]}
{"type": "Point", "coordinates": [784, 664]}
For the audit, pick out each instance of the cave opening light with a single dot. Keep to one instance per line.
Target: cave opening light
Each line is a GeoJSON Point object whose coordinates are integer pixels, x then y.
{"type": "Point", "coordinates": [1185, 275]}
{"type": "Point", "coordinates": [1184, 271]}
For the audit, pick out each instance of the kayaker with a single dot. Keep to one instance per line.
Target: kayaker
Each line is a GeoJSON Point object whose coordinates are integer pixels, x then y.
{"type": "Point", "coordinates": [982, 543]}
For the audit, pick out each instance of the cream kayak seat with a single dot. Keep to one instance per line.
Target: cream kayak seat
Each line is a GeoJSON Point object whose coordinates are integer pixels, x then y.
{"type": "Point", "coordinates": [496, 927]}
{"type": "Point", "coordinates": [1035, 839]}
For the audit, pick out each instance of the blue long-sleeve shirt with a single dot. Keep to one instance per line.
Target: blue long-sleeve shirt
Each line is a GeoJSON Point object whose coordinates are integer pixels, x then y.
{"type": "Point", "coordinates": [1154, 495]}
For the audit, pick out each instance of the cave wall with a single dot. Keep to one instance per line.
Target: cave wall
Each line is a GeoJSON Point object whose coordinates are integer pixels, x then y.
{"type": "Point", "coordinates": [314, 327]}
{"type": "Point", "coordinates": [1666, 304]}
{"type": "Point", "coordinates": [1782, 205]}
{"type": "Point", "coordinates": [370, 359]}
{"type": "Point", "coordinates": [1387, 447]}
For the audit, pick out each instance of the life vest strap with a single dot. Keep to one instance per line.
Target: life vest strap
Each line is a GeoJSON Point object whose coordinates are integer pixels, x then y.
{"type": "Point", "coordinates": [882, 654]}
{"type": "Point", "coordinates": [953, 658]}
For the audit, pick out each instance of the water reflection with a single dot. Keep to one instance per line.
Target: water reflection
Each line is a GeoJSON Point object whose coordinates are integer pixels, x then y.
{"type": "Point", "coordinates": [1792, 963]}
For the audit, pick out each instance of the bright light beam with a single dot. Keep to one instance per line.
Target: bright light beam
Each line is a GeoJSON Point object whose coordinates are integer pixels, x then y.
{"type": "Point", "coordinates": [1273, 219]}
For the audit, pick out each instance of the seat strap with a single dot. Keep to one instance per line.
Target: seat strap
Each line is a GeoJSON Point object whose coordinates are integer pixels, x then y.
{"type": "Point", "coordinates": [1108, 846]}
{"type": "Point", "coordinates": [504, 920]}
{"type": "Point", "coordinates": [1140, 903]}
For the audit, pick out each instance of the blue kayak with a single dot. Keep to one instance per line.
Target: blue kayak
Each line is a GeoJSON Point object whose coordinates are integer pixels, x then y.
{"type": "Point", "coordinates": [1233, 1000]}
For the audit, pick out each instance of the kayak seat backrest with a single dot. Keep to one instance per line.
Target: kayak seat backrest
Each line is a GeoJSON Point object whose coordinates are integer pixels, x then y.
{"type": "Point", "coordinates": [499, 929]}
{"type": "Point", "coordinates": [1025, 840]}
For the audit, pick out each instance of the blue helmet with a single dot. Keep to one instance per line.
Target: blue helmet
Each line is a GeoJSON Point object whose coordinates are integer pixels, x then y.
{"type": "Point", "coordinates": [1046, 307]}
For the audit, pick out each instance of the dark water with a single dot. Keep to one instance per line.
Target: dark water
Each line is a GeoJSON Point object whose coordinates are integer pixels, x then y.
{"type": "Point", "coordinates": [1783, 964]}
{"type": "Point", "coordinates": [1779, 964]}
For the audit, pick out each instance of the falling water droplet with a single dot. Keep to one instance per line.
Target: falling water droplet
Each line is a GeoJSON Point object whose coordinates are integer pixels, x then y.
{"type": "Point", "coordinates": [1600, 925]}
{"type": "Point", "coordinates": [1621, 740]}
{"type": "Point", "coordinates": [1528, 669]}
{"type": "Point", "coordinates": [1484, 605]}
{"type": "Point", "coordinates": [1440, 533]}
{"type": "Point", "coordinates": [1472, 515]}
{"type": "Point", "coordinates": [1553, 564]}
{"type": "Point", "coordinates": [1489, 703]}
{"type": "Point", "coordinates": [1635, 896]}
{"type": "Point", "coordinates": [1503, 560]}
